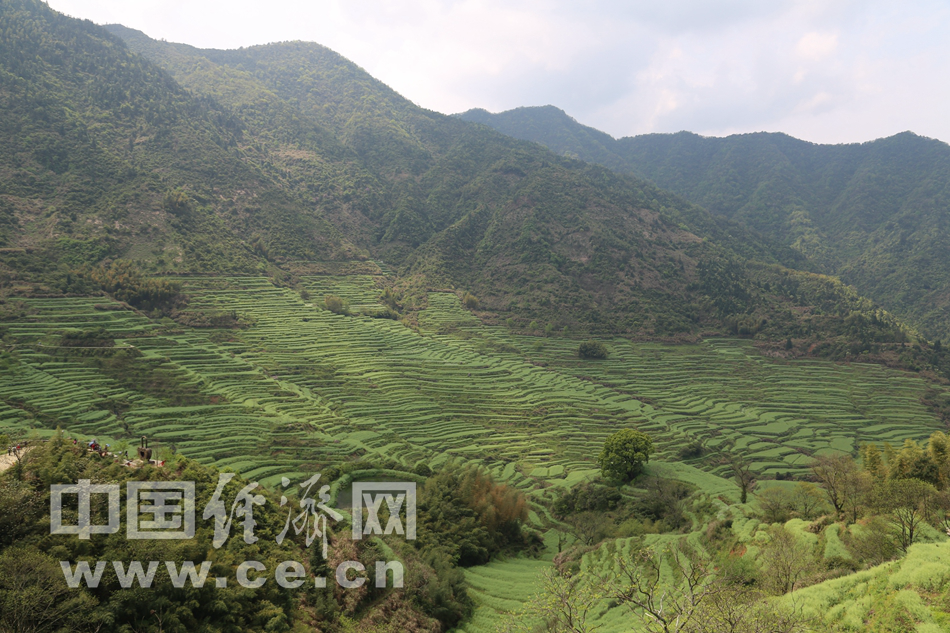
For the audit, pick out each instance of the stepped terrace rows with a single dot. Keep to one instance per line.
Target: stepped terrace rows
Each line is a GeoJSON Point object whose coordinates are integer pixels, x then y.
{"type": "Point", "coordinates": [301, 387]}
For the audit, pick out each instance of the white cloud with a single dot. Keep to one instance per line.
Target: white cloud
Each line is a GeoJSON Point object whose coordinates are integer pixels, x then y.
{"type": "Point", "coordinates": [824, 70]}
{"type": "Point", "coordinates": [816, 46]}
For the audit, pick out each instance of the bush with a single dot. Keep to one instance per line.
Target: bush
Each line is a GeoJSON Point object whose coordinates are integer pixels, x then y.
{"type": "Point", "coordinates": [336, 305]}
{"type": "Point", "coordinates": [126, 282]}
{"type": "Point", "coordinates": [692, 450]}
{"type": "Point", "coordinates": [470, 301]}
{"type": "Point", "coordinates": [384, 313]}
{"type": "Point", "coordinates": [587, 497]}
{"type": "Point", "coordinates": [592, 349]}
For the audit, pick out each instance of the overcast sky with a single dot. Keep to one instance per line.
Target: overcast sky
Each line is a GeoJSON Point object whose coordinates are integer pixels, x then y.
{"type": "Point", "coordinates": [828, 71]}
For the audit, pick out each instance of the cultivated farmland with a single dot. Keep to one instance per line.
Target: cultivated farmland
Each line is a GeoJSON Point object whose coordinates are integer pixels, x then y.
{"type": "Point", "coordinates": [299, 388]}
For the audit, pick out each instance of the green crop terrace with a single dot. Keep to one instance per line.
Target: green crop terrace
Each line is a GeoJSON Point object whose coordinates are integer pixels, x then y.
{"type": "Point", "coordinates": [301, 388]}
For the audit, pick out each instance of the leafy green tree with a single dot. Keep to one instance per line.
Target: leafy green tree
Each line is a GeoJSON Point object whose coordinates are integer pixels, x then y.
{"type": "Point", "coordinates": [624, 454]}
{"type": "Point", "coordinates": [592, 349]}
{"type": "Point", "coordinates": [33, 596]}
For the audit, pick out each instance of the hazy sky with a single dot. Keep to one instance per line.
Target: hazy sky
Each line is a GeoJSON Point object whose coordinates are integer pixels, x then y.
{"type": "Point", "coordinates": [824, 70]}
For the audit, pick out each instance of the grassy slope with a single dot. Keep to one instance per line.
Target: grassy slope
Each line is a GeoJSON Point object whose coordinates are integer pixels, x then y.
{"type": "Point", "coordinates": [909, 595]}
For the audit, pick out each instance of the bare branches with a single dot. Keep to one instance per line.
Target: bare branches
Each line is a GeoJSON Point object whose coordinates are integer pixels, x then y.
{"type": "Point", "coordinates": [666, 605]}
{"type": "Point", "coordinates": [742, 472]}
{"type": "Point", "coordinates": [564, 605]}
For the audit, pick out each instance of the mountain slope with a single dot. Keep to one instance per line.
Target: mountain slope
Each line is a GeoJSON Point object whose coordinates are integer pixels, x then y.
{"type": "Point", "coordinates": [96, 141]}
{"type": "Point", "coordinates": [525, 230]}
{"type": "Point", "coordinates": [877, 214]}
{"type": "Point", "coordinates": [289, 152]}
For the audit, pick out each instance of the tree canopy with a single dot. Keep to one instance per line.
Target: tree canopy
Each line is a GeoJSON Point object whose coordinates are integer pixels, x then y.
{"type": "Point", "coordinates": [624, 454]}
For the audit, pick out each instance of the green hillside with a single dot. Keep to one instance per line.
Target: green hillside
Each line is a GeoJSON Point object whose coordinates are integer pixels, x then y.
{"type": "Point", "coordinates": [94, 141]}
{"type": "Point", "coordinates": [874, 214]}
{"type": "Point", "coordinates": [245, 161]}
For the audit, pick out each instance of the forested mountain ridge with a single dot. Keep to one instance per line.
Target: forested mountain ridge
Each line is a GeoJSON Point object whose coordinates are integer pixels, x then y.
{"type": "Point", "coordinates": [249, 159]}
{"type": "Point", "coordinates": [877, 214]}
{"type": "Point", "coordinates": [529, 233]}
{"type": "Point", "coordinates": [94, 141]}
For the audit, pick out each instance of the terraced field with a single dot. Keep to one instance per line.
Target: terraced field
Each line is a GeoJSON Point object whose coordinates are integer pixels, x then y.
{"type": "Point", "coordinates": [302, 388]}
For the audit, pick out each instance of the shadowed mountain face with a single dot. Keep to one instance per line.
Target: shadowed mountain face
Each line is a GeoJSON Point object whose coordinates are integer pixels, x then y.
{"type": "Point", "coordinates": [877, 214]}
{"type": "Point", "coordinates": [189, 160]}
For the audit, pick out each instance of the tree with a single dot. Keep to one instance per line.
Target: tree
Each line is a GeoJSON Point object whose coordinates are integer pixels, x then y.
{"type": "Point", "coordinates": [856, 486]}
{"type": "Point", "coordinates": [680, 590]}
{"type": "Point", "coordinates": [33, 596]}
{"type": "Point", "coordinates": [909, 504]}
{"type": "Point", "coordinates": [564, 604]}
{"type": "Point", "coordinates": [589, 527]}
{"type": "Point", "coordinates": [777, 504]}
{"type": "Point", "coordinates": [785, 560]}
{"type": "Point", "coordinates": [873, 460]}
{"type": "Point", "coordinates": [874, 543]}
{"type": "Point", "coordinates": [470, 301]}
{"type": "Point", "coordinates": [833, 473]}
{"type": "Point", "coordinates": [740, 608]}
{"type": "Point", "coordinates": [808, 500]}
{"type": "Point", "coordinates": [670, 605]}
{"type": "Point", "coordinates": [742, 471]}
{"type": "Point", "coordinates": [592, 349]}
{"type": "Point", "coordinates": [624, 454]}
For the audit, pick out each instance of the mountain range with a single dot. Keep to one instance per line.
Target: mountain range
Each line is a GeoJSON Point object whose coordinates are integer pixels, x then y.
{"type": "Point", "coordinates": [875, 214]}
{"type": "Point", "coordinates": [179, 159]}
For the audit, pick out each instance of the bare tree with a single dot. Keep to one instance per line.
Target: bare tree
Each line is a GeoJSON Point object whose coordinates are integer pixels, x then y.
{"type": "Point", "coordinates": [786, 560]}
{"type": "Point", "coordinates": [742, 609]}
{"type": "Point", "coordinates": [589, 527]}
{"type": "Point", "coordinates": [742, 472]}
{"type": "Point", "coordinates": [564, 605]}
{"type": "Point", "coordinates": [669, 606]}
{"type": "Point", "coordinates": [833, 472]}
{"type": "Point", "coordinates": [856, 486]}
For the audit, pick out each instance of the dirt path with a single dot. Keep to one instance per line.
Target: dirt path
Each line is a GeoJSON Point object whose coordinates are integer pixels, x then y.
{"type": "Point", "coordinates": [6, 461]}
